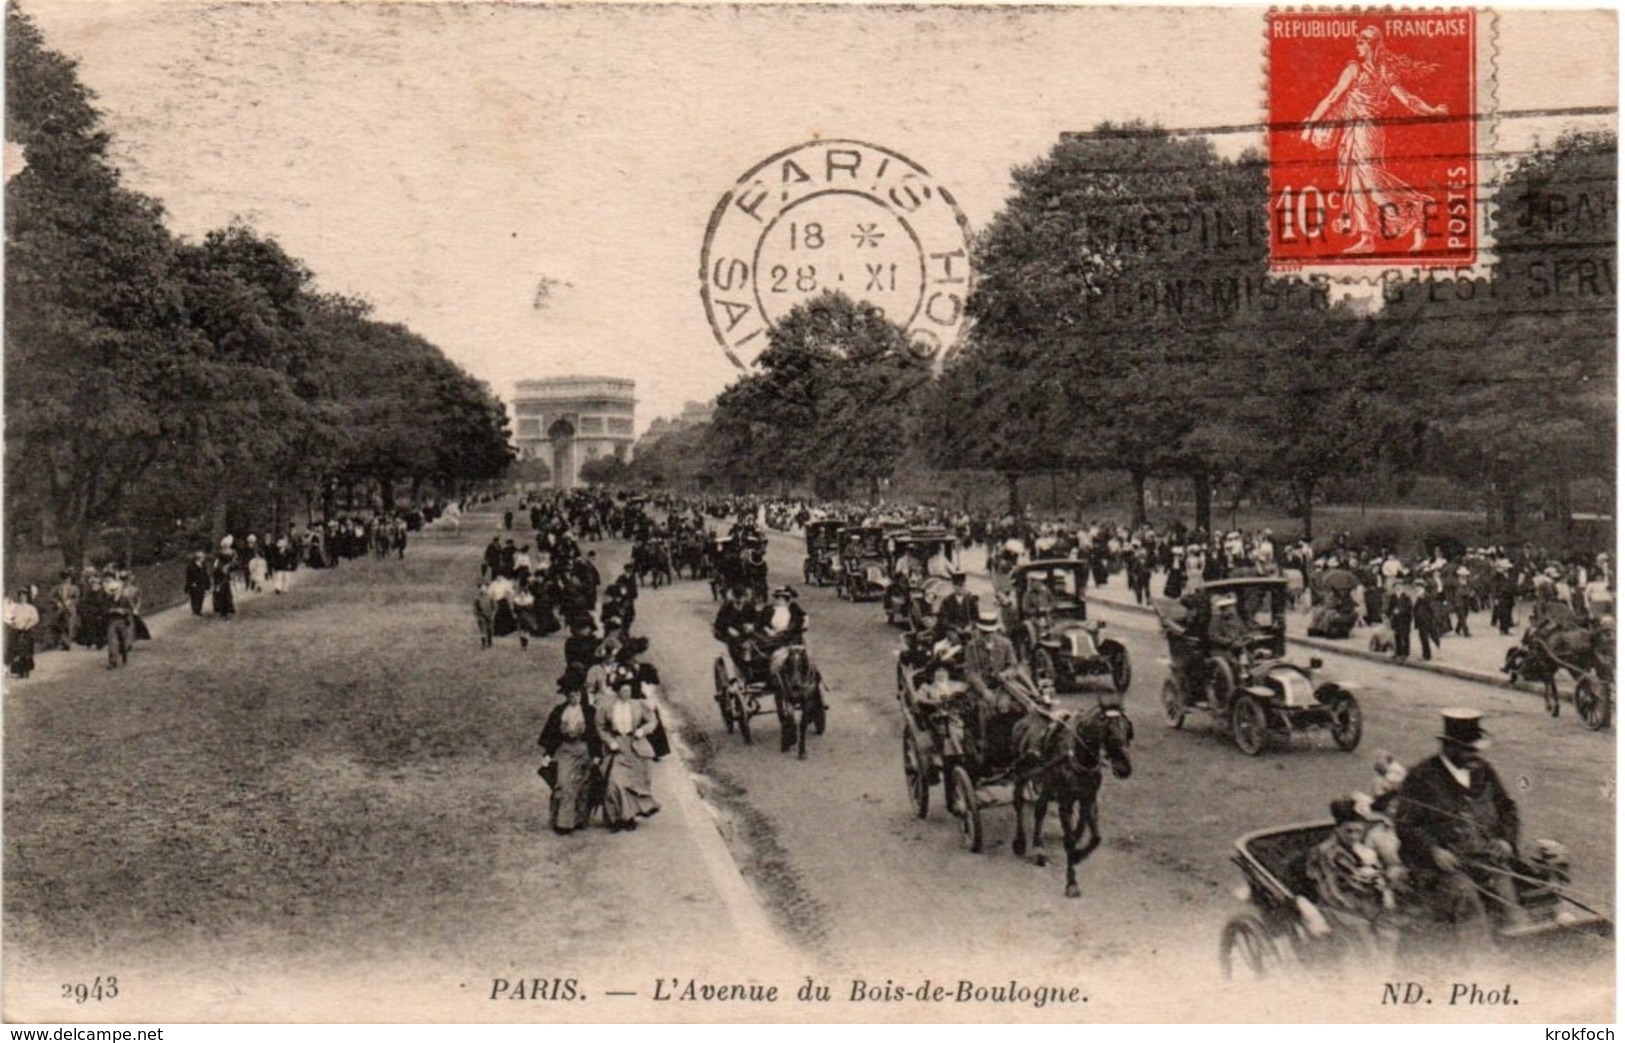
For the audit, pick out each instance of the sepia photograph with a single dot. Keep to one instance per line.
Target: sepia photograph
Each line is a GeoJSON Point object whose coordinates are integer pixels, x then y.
{"type": "Point", "coordinates": [587, 513]}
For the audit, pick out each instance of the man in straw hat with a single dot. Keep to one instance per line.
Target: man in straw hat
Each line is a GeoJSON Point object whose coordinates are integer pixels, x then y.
{"type": "Point", "coordinates": [1458, 828]}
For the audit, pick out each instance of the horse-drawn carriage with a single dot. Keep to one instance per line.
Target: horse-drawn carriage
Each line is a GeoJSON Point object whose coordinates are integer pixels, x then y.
{"type": "Point", "coordinates": [822, 566]}
{"type": "Point", "coordinates": [739, 560]}
{"type": "Point", "coordinates": [919, 565]}
{"type": "Point", "coordinates": [785, 675]}
{"type": "Point", "coordinates": [1051, 755]}
{"type": "Point", "coordinates": [1259, 942]}
{"type": "Point", "coordinates": [1584, 648]}
{"type": "Point", "coordinates": [1046, 616]}
{"type": "Point", "coordinates": [863, 562]}
{"type": "Point", "coordinates": [1227, 648]}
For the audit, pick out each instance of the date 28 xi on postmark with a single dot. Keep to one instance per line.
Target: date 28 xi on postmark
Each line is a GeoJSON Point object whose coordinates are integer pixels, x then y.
{"type": "Point", "coordinates": [835, 215]}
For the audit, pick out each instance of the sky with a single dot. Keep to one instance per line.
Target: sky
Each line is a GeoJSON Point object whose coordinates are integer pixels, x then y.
{"type": "Point", "coordinates": [528, 186]}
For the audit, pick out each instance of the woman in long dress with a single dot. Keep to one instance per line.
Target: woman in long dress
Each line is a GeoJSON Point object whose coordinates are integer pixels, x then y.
{"type": "Point", "coordinates": [571, 747]}
{"type": "Point", "coordinates": [625, 725]}
{"type": "Point", "coordinates": [1375, 201]}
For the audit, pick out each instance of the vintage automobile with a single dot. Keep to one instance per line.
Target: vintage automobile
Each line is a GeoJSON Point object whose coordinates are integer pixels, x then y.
{"type": "Point", "coordinates": [919, 567]}
{"type": "Point", "coordinates": [1227, 652]}
{"type": "Point", "coordinates": [863, 562]}
{"type": "Point", "coordinates": [1047, 618]}
{"type": "Point", "coordinates": [822, 566]}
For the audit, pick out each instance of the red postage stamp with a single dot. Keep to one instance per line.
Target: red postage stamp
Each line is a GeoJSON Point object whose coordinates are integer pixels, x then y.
{"type": "Point", "coordinates": [1373, 138]}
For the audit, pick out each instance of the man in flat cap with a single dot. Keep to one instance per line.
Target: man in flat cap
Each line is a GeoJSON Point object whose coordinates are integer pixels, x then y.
{"type": "Point", "coordinates": [1458, 828]}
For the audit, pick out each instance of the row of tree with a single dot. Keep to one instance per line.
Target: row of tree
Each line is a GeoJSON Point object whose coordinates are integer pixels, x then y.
{"type": "Point", "coordinates": [1125, 318]}
{"type": "Point", "coordinates": [151, 380]}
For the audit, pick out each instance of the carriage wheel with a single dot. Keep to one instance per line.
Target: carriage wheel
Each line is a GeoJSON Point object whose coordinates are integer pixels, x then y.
{"type": "Point", "coordinates": [1591, 702]}
{"type": "Point", "coordinates": [1122, 669]}
{"type": "Point", "coordinates": [1248, 724]}
{"type": "Point", "coordinates": [918, 778]}
{"type": "Point", "coordinates": [1043, 666]}
{"type": "Point", "coordinates": [1347, 722]}
{"type": "Point", "coordinates": [1173, 704]}
{"type": "Point", "coordinates": [1245, 946]}
{"type": "Point", "coordinates": [962, 802]}
{"type": "Point", "coordinates": [724, 699]}
{"type": "Point", "coordinates": [742, 715]}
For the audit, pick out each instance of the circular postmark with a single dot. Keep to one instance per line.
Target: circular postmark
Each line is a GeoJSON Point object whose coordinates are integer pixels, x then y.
{"type": "Point", "coordinates": [835, 215]}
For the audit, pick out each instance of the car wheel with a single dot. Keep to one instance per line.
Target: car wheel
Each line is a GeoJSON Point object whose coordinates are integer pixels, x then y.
{"type": "Point", "coordinates": [1249, 724]}
{"type": "Point", "coordinates": [1347, 722]}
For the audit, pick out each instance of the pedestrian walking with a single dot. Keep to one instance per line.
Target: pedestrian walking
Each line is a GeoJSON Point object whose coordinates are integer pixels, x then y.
{"type": "Point", "coordinates": [1400, 609]}
{"type": "Point", "coordinates": [1424, 614]}
{"type": "Point", "coordinates": [197, 581]}
{"type": "Point", "coordinates": [22, 619]}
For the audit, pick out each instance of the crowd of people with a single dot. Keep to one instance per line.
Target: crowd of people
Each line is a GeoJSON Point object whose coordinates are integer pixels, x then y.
{"type": "Point", "coordinates": [1407, 601]}
{"type": "Point", "coordinates": [600, 738]}
{"type": "Point", "coordinates": [101, 608]}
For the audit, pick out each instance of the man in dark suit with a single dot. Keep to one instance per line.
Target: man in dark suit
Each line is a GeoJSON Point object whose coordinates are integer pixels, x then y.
{"type": "Point", "coordinates": [1427, 623]}
{"type": "Point", "coordinates": [957, 612]}
{"type": "Point", "coordinates": [197, 581]}
{"type": "Point", "coordinates": [1458, 828]}
{"type": "Point", "coordinates": [1400, 608]}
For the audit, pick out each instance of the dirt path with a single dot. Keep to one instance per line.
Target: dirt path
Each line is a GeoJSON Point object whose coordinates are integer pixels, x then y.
{"type": "Point", "coordinates": [328, 809]}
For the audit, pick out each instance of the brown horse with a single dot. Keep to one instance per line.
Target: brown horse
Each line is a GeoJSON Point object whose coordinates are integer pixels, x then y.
{"type": "Point", "coordinates": [798, 695]}
{"type": "Point", "coordinates": [1060, 756]}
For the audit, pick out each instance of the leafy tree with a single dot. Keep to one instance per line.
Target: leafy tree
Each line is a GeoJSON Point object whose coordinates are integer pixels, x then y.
{"type": "Point", "coordinates": [91, 313]}
{"type": "Point", "coordinates": [829, 404]}
{"type": "Point", "coordinates": [607, 470]}
{"type": "Point", "coordinates": [1518, 371]}
{"type": "Point", "coordinates": [1102, 286]}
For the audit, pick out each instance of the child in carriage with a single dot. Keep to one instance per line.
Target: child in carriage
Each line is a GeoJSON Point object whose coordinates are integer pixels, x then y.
{"type": "Point", "coordinates": [1353, 895]}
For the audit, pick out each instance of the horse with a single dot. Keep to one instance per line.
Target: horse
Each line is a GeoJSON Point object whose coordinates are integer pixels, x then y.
{"type": "Point", "coordinates": [1060, 756]}
{"type": "Point", "coordinates": [1576, 649]}
{"type": "Point", "coordinates": [798, 696]}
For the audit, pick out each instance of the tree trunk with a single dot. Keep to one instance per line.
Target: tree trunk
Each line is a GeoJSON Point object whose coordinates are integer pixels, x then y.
{"type": "Point", "coordinates": [1012, 485]}
{"type": "Point", "coordinates": [386, 492]}
{"type": "Point", "coordinates": [1304, 490]}
{"type": "Point", "coordinates": [1509, 514]}
{"type": "Point", "coordinates": [1202, 483]}
{"type": "Point", "coordinates": [1137, 476]}
{"type": "Point", "coordinates": [218, 509]}
{"type": "Point", "coordinates": [71, 538]}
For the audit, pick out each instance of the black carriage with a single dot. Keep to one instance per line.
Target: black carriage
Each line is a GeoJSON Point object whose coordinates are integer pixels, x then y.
{"type": "Point", "coordinates": [739, 560]}
{"type": "Point", "coordinates": [1582, 648]}
{"type": "Point", "coordinates": [743, 694]}
{"type": "Point", "coordinates": [822, 566]}
{"type": "Point", "coordinates": [1276, 933]}
{"type": "Point", "coordinates": [863, 562]}
{"type": "Point", "coordinates": [940, 746]}
{"type": "Point", "coordinates": [918, 565]}
{"type": "Point", "coordinates": [1046, 615]}
{"type": "Point", "coordinates": [1227, 652]}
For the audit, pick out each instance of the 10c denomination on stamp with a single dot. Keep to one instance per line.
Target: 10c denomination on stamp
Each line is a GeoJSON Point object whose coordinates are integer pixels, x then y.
{"type": "Point", "coordinates": [1374, 138]}
{"type": "Point", "coordinates": [843, 216]}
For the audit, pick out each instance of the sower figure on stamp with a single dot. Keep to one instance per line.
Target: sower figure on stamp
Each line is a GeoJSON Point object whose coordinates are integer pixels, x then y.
{"type": "Point", "coordinates": [1376, 202]}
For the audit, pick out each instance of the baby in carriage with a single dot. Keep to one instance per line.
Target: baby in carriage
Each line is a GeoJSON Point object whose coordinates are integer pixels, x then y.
{"type": "Point", "coordinates": [1356, 872]}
